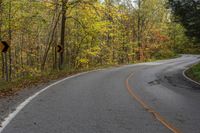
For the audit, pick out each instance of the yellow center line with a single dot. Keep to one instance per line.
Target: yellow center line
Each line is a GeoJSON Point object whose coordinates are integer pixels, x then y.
{"type": "Point", "coordinates": [157, 115]}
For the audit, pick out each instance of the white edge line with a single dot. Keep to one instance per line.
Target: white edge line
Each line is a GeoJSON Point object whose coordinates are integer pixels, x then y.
{"type": "Point", "coordinates": [12, 115]}
{"type": "Point", "coordinates": [188, 77]}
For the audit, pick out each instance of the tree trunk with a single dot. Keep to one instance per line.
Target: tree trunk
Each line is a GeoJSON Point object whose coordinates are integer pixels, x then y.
{"type": "Point", "coordinates": [1, 11]}
{"type": "Point", "coordinates": [139, 31]}
{"type": "Point", "coordinates": [6, 67]}
{"type": "Point", "coordinates": [50, 41]}
{"type": "Point", "coordinates": [62, 41]}
{"type": "Point", "coordinates": [10, 38]}
{"type": "Point", "coordinates": [3, 66]}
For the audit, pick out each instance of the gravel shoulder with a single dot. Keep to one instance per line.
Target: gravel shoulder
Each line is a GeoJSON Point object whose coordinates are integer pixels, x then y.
{"type": "Point", "coordinates": [8, 104]}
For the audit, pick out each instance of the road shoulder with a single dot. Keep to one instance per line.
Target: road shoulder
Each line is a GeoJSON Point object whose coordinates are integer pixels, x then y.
{"type": "Point", "coordinates": [192, 73]}
{"type": "Point", "coordinates": [8, 104]}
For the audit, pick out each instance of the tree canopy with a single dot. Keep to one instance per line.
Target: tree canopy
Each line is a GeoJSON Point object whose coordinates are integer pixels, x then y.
{"type": "Point", "coordinates": [90, 33]}
{"type": "Point", "coordinates": [188, 13]}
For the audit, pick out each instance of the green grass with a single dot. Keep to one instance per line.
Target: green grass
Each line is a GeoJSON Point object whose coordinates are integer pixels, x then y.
{"type": "Point", "coordinates": [194, 72]}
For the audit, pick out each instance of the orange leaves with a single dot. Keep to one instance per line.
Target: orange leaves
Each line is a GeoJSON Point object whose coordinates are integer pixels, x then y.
{"type": "Point", "coordinates": [160, 37]}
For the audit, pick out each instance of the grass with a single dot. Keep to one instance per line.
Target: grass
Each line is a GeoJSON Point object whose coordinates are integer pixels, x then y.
{"type": "Point", "coordinates": [194, 72]}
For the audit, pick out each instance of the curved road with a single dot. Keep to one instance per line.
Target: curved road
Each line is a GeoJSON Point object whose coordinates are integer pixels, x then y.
{"type": "Point", "coordinates": [141, 98]}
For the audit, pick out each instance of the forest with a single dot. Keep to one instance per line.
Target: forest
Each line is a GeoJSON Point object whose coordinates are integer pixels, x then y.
{"type": "Point", "coordinates": [52, 36]}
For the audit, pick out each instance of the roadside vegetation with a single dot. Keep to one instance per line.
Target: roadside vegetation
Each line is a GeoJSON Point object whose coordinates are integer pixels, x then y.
{"type": "Point", "coordinates": [50, 39]}
{"type": "Point", "coordinates": [187, 12]}
{"type": "Point", "coordinates": [12, 87]}
{"type": "Point", "coordinates": [194, 72]}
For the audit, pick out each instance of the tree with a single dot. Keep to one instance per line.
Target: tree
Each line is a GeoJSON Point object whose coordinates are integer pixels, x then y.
{"type": "Point", "coordinates": [90, 32]}
{"type": "Point", "coordinates": [188, 13]}
{"type": "Point", "coordinates": [63, 21]}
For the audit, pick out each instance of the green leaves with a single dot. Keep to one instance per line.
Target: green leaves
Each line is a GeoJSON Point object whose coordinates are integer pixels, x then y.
{"type": "Point", "coordinates": [187, 12]}
{"type": "Point", "coordinates": [96, 33]}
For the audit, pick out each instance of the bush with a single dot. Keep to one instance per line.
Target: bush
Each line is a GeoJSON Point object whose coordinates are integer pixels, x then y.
{"type": "Point", "coordinates": [164, 54]}
{"type": "Point", "coordinates": [194, 72]}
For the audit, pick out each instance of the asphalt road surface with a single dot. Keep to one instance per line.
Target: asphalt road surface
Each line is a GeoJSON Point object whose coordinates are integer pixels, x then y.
{"type": "Point", "coordinates": [142, 98]}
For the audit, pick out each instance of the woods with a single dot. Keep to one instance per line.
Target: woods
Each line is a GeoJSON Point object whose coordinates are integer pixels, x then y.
{"type": "Point", "coordinates": [90, 33]}
{"type": "Point", "coordinates": [187, 12]}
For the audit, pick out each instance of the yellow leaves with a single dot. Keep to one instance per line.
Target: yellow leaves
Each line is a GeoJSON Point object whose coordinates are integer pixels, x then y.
{"type": "Point", "coordinates": [101, 26]}
{"type": "Point", "coordinates": [49, 5]}
{"type": "Point", "coordinates": [93, 51]}
{"type": "Point", "coordinates": [83, 60]}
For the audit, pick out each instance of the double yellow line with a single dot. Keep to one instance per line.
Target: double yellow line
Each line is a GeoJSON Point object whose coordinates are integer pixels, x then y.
{"type": "Point", "coordinates": [161, 119]}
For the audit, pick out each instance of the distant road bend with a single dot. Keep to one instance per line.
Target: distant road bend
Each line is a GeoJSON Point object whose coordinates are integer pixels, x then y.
{"type": "Point", "coordinates": [141, 98]}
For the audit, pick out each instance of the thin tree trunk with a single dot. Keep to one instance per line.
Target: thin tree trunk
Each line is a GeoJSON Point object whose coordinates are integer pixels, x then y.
{"type": "Point", "coordinates": [63, 25]}
{"type": "Point", "coordinates": [21, 53]}
{"type": "Point", "coordinates": [54, 49]}
{"type": "Point", "coordinates": [139, 31]}
{"type": "Point", "coordinates": [49, 43]}
{"type": "Point", "coordinates": [10, 38]}
{"type": "Point", "coordinates": [109, 38]}
{"type": "Point", "coordinates": [55, 58]}
{"type": "Point", "coordinates": [3, 66]}
{"type": "Point", "coordinates": [2, 56]}
{"type": "Point", "coordinates": [6, 67]}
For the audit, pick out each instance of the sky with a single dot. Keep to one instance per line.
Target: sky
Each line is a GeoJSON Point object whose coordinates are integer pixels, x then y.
{"type": "Point", "coordinates": [134, 2]}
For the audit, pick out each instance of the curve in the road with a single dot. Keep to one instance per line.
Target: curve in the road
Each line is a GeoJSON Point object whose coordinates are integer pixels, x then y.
{"type": "Point", "coordinates": [12, 115]}
{"type": "Point", "coordinates": [76, 107]}
{"type": "Point", "coordinates": [160, 118]}
{"type": "Point", "coordinates": [188, 78]}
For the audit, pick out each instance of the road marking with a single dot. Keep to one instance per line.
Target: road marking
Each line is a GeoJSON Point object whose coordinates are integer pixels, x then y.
{"type": "Point", "coordinates": [161, 119]}
{"type": "Point", "coordinates": [12, 115]}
